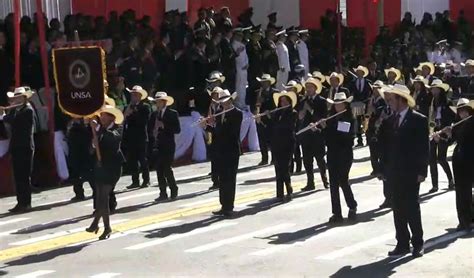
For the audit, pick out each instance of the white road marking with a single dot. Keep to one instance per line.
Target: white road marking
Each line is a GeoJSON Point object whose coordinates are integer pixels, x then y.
{"type": "Point", "coordinates": [154, 192]}
{"type": "Point", "coordinates": [6, 233]}
{"type": "Point", "coordinates": [304, 204]}
{"type": "Point", "coordinates": [254, 172]}
{"type": "Point", "coordinates": [231, 240]}
{"type": "Point", "coordinates": [179, 236]}
{"type": "Point", "coordinates": [145, 228]}
{"type": "Point", "coordinates": [216, 199]}
{"type": "Point", "coordinates": [14, 220]}
{"type": "Point", "coordinates": [356, 247]}
{"type": "Point", "coordinates": [59, 234]}
{"type": "Point", "coordinates": [105, 275]}
{"type": "Point", "coordinates": [35, 274]}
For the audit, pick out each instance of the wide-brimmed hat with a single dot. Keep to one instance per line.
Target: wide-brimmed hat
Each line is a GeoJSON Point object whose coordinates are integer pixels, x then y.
{"type": "Point", "coordinates": [318, 75]}
{"type": "Point", "coordinates": [266, 77]}
{"type": "Point", "coordinates": [163, 96]}
{"type": "Point", "coordinates": [430, 65]}
{"type": "Point", "coordinates": [438, 83]}
{"type": "Point", "coordinates": [293, 84]}
{"type": "Point", "coordinates": [417, 69]}
{"type": "Point", "coordinates": [398, 73]}
{"type": "Point", "coordinates": [365, 70]}
{"type": "Point", "coordinates": [340, 97]}
{"type": "Point", "coordinates": [215, 90]}
{"type": "Point", "coordinates": [316, 83]}
{"type": "Point", "coordinates": [225, 95]}
{"type": "Point", "coordinates": [21, 91]}
{"type": "Point", "coordinates": [215, 76]}
{"type": "Point", "coordinates": [138, 89]}
{"type": "Point", "coordinates": [463, 103]}
{"type": "Point", "coordinates": [109, 109]}
{"type": "Point", "coordinates": [420, 79]}
{"type": "Point", "coordinates": [339, 76]}
{"type": "Point", "coordinates": [468, 63]}
{"type": "Point", "coordinates": [378, 84]}
{"type": "Point", "coordinates": [402, 91]}
{"type": "Point", "coordinates": [290, 94]}
{"type": "Point", "coordinates": [109, 101]}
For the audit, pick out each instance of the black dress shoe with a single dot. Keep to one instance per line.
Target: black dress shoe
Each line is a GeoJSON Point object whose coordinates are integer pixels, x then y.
{"type": "Point", "coordinates": [418, 251]}
{"type": "Point", "coordinates": [78, 198]}
{"type": "Point", "coordinates": [174, 193]}
{"type": "Point", "coordinates": [463, 228]}
{"type": "Point", "coordinates": [20, 209]}
{"type": "Point", "coordinates": [162, 198]}
{"type": "Point", "coordinates": [145, 184]}
{"type": "Point", "coordinates": [214, 187]}
{"type": "Point", "coordinates": [399, 251]}
{"type": "Point", "coordinates": [308, 188]}
{"type": "Point", "coordinates": [385, 204]}
{"type": "Point", "coordinates": [262, 163]}
{"type": "Point", "coordinates": [336, 219]}
{"type": "Point", "coordinates": [433, 190]}
{"type": "Point", "coordinates": [92, 229]}
{"type": "Point", "coordinates": [133, 186]}
{"type": "Point", "coordinates": [352, 215]}
{"type": "Point", "coordinates": [105, 234]}
{"type": "Point", "coordinates": [218, 212]}
{"type": "Point", "coordinates": [326, 185]}
{"type": "Point", "coordinates": [227, 213]}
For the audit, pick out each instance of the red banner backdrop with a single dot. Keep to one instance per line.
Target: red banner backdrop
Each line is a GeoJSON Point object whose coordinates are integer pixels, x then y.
{"type": "Point", "coordinates": [236, 7]}
{"type": "Point", "coordinates": [455, 6]}
{"type": "Point", "coordinates": [392, 11]}
{"type": "Point", "coordinates": [311, 12]}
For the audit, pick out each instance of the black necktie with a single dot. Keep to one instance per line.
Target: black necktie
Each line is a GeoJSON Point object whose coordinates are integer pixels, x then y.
{"type": "Point", "coordinates": [396, 123]}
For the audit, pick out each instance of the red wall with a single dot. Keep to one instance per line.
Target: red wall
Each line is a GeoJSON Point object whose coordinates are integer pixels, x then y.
{"type": "Point", "coordinates": [236, 7]}
{"type": "Point", "coordinates": [392, 12]}
{"type": "Point", "coordinates": [312, 10]}
{"type": "Point", "coordinates": [467, 5]}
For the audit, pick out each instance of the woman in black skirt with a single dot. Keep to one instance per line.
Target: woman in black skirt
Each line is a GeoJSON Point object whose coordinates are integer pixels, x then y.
{"type": "Point", "coordinates": [283, 140]}
{"type": "Point", "coordinates": [339, 140]}
{"type": "Point", "coordinates": [108, 170]}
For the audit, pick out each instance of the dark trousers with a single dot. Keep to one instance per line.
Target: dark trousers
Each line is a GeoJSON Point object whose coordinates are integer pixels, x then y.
{"type": "Point", "coordinates": [339, 167]}
{"type": "Point", "coordinates": [464, 183]}
{"type": "Point", "coordinates": [137, 154]}
{"type": "Point", "coordinates": [227, 169]}
{"type": "Point", "coordinates": [263, 140]}
{"type": "Point", "coordinates": [22, 161]}
{"type": "Point", "coordinates": [359, 120]}
{"type": "Point", "coordinates": [314, 149]}
{"type": "Point", "coordinates": [406, 212]}
{"type": "Point", "coordinates": [214, 170]}
{"type": "Point", "coordinates": [438, 152]}
{"type": "Point", "coordinates": [282, 164]}
{"type": "Point", "coordinates": [387, 191]}
{"type": "Point", "coordinates": [374, 156]}
{"type": "Point", "coordinates": [103, 193]}
{"type": "Point", "coordinates": [297, 155]}
{"type": "Point", "coordinates": [164, 160]}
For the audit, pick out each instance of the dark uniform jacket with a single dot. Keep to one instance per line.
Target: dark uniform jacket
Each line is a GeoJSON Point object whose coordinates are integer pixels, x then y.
{"type": "Point", "coordinates": [464, 151]}
{"type": "Point", "coordinates": [22, 124]}
{"type": "Point", "coordinates": [380, 108]}
{"type": "Point", "coordinates": [270, 57]}
{"type": "Point", "coordinates": [360, 95]}
{"type": "Point", "coordinates": [423, 101]}
{"type": "Point", "coordinates": [110, 168]}
{"type": "Point", "coordinates": [135, 126]}
{"type": "Point", "coordinates": [339, 143]}
{"type": "Point", "coordinates": [330, 92]}
{"type": "Point", "coordinates": [164, 142]}
{"type": "Point", "coordinates": [227, 133]}
{"type": "Point", "coordinates": [283, 135]}
{"type": "Point", "coordinates": [319, 110]}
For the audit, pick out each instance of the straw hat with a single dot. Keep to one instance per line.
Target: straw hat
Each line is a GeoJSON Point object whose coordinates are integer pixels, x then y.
{"type": "Point", "coordinates": [138, 89]}
{"type": "Point", "coordinates": [336, 75]}
{"type": "Point", "coordinates": [164, 96]}
{"type": "Point", "coordinates": [293, 84]}
{"type": "Point", "coordinates": [437, 83]}
{"type": "Point", "coordinates": [109, 109]}
{"type": "Point", "coordinates": [340, 97]}
{"type": "Point", "coordinates": [316, 83]}
{"type": "Point", "coordinates": [402, 91]}
{"type": "Point", "coordinates": [421, 79]}
{"type": "Point", "coordinates": [318, 75]}
{"type": "Point", "coordinates": [363, 69]}
{"type": "Point", "coordinates": [266, 77]}
{"type": "Point", "coordinates": [216, 76]}
{"type": "Point", "coordinates": [290, 94]}
{"type": "Point", "coordinates": [109, 101]}
{"type": "Point", "coordinates": [378, 84]}
{"type": "Point", "coordinates": [431, 66]}
{"type": "Point", "coordinates": [225, 95]}
{"type": "Point", "coordinates": [462, 102]}
{"type": "Point", "coordinates": [468, 63]}
{"type": "Point", "coordinates": [21, 91]}
{"type": "Point", "coordinates": [216, 90]}
{"type": "Point", "coordinates": [398, 73]}
{"type": "Point", "coordinates": [416, 70]}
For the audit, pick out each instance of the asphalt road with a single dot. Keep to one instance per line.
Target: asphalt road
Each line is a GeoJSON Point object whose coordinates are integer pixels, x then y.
{"type": "Point", "coordinates": [264, 238]}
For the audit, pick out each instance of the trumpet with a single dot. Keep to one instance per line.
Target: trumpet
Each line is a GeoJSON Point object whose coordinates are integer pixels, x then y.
{"type": "Point", "coordinates": [313, 125]}
{"type": "Point", "coordinates": [445, 130]}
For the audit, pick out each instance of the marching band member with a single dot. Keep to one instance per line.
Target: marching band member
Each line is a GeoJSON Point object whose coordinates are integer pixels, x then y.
{"type": "Point", "coordinates": [421, 95]}
{"type": "Point", "coordinates": [227, 140]}
{"type": "Point", "coordinates": [264, 123]}
{"type": "Point", "coordinates": [283, 142]}
{"type": "Point", "coordinates": [463, 161]}
{"type": "Point", "coordinates": [296, 88]}
{"type": "Point", "coordinates": [283, 59]}
{"type": "Point", "coordinates": [108, 170]}
{"type": "Point", "coordinates": [427, 71]}
{"type": "Point", "coordinates": [405, 152]}
{"type": "Point", "coordinates": [162, 127]}
{"type": "Point", "coordinates": [336, 81]}
{"type": "Point", "coordinates": [339, 138]}
{"type": "Point", "coordinates": [361, 90]}
{"type": "Point", "coordinates": [440, 116]}
{"type": "Point", "coordinates": [214, 108]}
{"type": "Point", "coordinates": [135, 136]}
{"type": "Point", "coordinates": [393, 76]}
{"type": "Point", "coordinates": [21, 121]}
{"type": "Point", "coordinates": [312, 109]}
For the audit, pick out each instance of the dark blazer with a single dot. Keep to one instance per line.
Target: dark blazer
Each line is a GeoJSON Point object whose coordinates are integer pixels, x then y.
{"type": "Point", "coordinates": [377, 75]}
{"type": "Point", "coordinates": [330, 92]}
{"type": "Point", "coordinates": [110, 169]}
{"type": "Point", "coordinates": [270, 57]}
{"type": "Point", "coordinates": [463, 154]}
{"type": "Point", "coordinates": [405, 151]}
{"type": "Point", "coordinates": [135, 126]}
{"type": "Point", "coordinates": [22, 124]}
{"type": "Point", "coordinates": [227, 133]}
{"type": "Point", "coordinates": [360, 95]}
{"type": "Point", "coordinates": [423, 102]}
{"type": "Point", "coordinates": [165, 139]}
{"type": "Point", "coordinates": [319, 110]}
{"type": "Point", "coordinates": [340, 143]}
{"type": "Point", "coordinates": [293, 54]}
{"type": "Point", "coordinates": [283, 134]}
{"type": "Point", "coordinates": [228, 58]}
{"type": "Point", "coordinates": [380, 107]}
{"type": "Point", "coordinates": [447, 116]}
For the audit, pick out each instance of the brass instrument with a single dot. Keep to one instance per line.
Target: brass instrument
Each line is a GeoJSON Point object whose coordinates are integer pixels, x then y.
{"type": "Point", "coordinates": [431, 117]}
{"type": "Point", "coordinates": [313, 125]}
{"type": "Point", "coordinates": [378, 123]}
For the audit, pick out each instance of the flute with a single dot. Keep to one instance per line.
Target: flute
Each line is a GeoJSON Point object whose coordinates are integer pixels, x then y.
{"type": "Point", "coordinates": [11, 106]}
{"type": "Point", "coordinates": [445, 129]}
{"type": "Point", "coordinates": [200, 121]}
{"type": "Point", "coordinates": [268, 112]}
{"type": "Point", "coordinates": [313, 125]}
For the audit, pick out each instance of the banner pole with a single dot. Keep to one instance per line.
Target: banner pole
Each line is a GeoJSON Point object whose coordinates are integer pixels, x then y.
{"type": "Point", "coordinates": [16, 22]}
{"type": "Point", "coordinates": [339, 35]}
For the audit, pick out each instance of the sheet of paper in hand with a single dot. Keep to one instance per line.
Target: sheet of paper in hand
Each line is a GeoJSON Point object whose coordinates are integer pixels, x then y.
{"type": "Point", "coordinates": [343, 126]}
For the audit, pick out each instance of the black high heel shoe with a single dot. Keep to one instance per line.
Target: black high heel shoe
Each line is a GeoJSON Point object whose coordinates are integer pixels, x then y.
{"type": "Point", "coordinates": [105, 234]}
{"type": "Point", "coordinates": [93, 229]}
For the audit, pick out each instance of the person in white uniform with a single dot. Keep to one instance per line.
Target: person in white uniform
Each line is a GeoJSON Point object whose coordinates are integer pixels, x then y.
{"type": "Point", "coordinates": [303, 50]}
{"type": "Point", "coordinates": [283, 60]}
{"type": "Point", "coordinates": [241, 66]}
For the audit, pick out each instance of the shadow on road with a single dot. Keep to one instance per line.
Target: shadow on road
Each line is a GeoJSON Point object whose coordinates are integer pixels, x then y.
{"type": "Point", "coordinates": [46, 256]}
